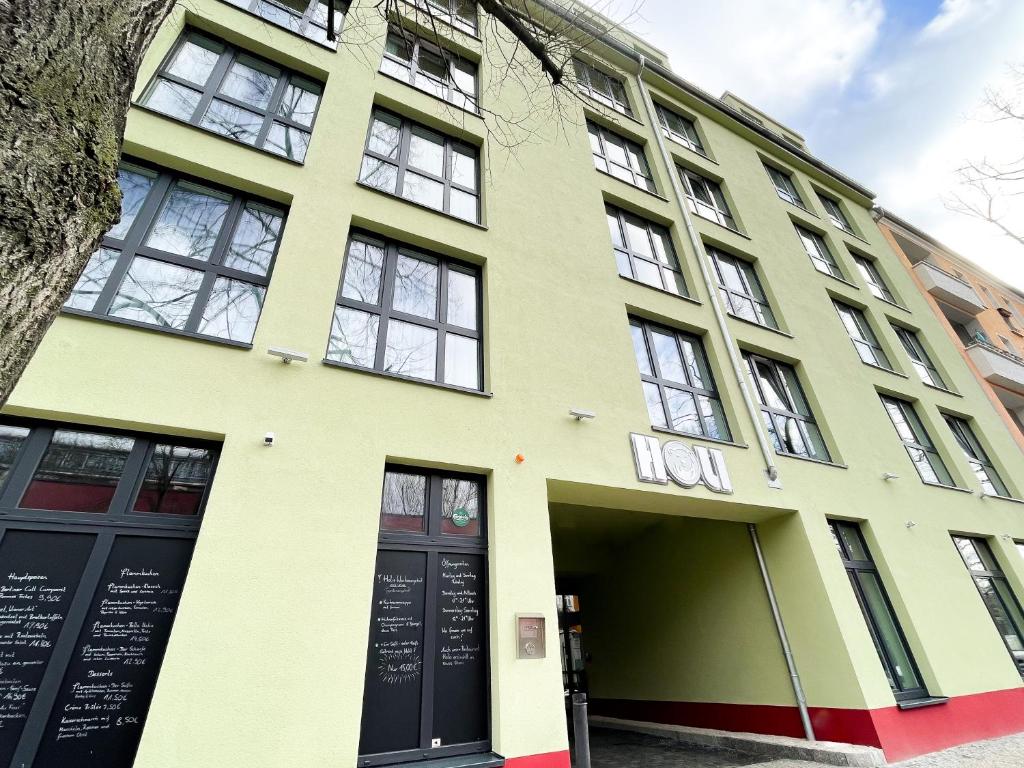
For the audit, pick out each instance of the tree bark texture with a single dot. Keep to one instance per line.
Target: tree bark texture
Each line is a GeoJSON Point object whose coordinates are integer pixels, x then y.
{"type": "Point", "coordinates": [67, 69]}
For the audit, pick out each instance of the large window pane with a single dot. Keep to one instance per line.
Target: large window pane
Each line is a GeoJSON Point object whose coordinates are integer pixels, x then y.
{"type": "Point", "coordinates": [422, 190]}
{"type": "Point", "coordinates": [157, 293]}
{"type": "Point", "coordinates": [79, 472]}
{"type": "Point", "coordinates": [461, 361]}
{"type": "Point", "coordinates": [11, 440]}
{"type": "Point", "coordinates": [233, 121]}
{"type": "Point", "coordinates": [193, 62]}
{"type": "Point", "coordinates": [135, 185]}
{"type": "Point", "coordinates": [232, 310]}
{"type": "Point", "coordinates": [353, 337]}
{"type": "Point", "coordinates": [253, 242]}
{"type": "Point", "coordinates": [411, 350]}
{"type": "Point", "coordinates": [888, 633]}
{"type": "Point", "coordinates": [462, 309]}
{"type": "Point", "coordinates": [299, 103]}
{"type": "Point", "coordinates": [416, 287]}
{"type": "Point", "coordinates": [189, 221]}
{"type": "Point", "coordinates": [363, 269]}
{"type": "Point", "coordinates": [460, 507]}
{"type": "Point", "coordinates": [379, 174]}
{"type": "Point", "coordinates": [176, 480]}
{"type": "Point", "coordinates": [247, 83]}
{"type": "Point", "coordinates": [92, 280]}
{"type": "Point", "coordinates": [173, 99]}
{"type": "Point", "coordinates": [666, 350]}
{"type": "Point", "coordinates": [404, 502]}
{"type": "Point", "coordinates": [426, 152]}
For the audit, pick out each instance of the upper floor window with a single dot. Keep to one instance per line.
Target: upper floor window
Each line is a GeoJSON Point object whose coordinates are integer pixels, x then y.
{"type": "Point", "coordinates": [784, 186]}
{"type": "Point", "coordinates": [431, 69]}
{"type": "Point", "coordinates": [991, 483]}
{"type": "Point", "coordinates": [869, 271]}
{"type": "Point", "coordinates": [918, 356]}
{"type": "Point", "coordinates": [864, 340]}
{"type": "Point", "coordinates": [602, 87]}
{"type": "Point", "coordinates": [304, 17]}
{"type": "Point", "coordinates": [622, 158]}
{"type": "Point", "coordinates": [835, 213]}
{"type": "Point", "coordinates": [644, 251]}
{"type": "Point", "coordinates": [680, 129]}
{"type": "Point", "coordinates": [821, 257]}
{"type": "Point", "coordinates": [741, 289]}
{"type": "Point", "coordinates": [213, 85]}
{"type": "Point", "coordinates": [460, 14]}
{"type": "Point", "coordinates": [409, 313]}
{"type": "Point", "coordinates": [185, 257]}
{"type": "Point", "coordinates": [677, 382]}
{"type": "Point", "coordinates": [784, 408]}
{"type": "Point", "coordinates": [705, 198]}
{"type": "Point", "coordinates": [917, 442]}
{"type": "Point", "coordinates": [405, 159]}
{"type": "Point", "coordinates": [887, 635]}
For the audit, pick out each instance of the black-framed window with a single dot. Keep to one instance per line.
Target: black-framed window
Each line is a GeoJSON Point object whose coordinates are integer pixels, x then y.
{"type": "Point", "coordinates": [409, 313]}
{"type": "Point", "coordinates": [411, 161]}
{"type": "Point", "coordinates": [644, 251]}
{"type": "Point", "coordinates": [430, 68]}
{"type": "Point", "coordinates": [303, 17]}
{"type": "Point", "coordinates": [784, 186]}
{"type": "Point", "coordinates": [835, 214]}
{"type": "Point", "coordinates": [186, 257]}
{"type": "Point", "coordinates": [681, 130]}
{"type": "Point", "coordinates": [818, 251]}
{"type": "Point", "coordinates": [863, 338]}
{"type": "Point", "coordinates": [207, 83]}
{"type": "Point", "coordinates": [919, 358]}
{"type": "Point", "coordinates": [999, 599]}
{"type": "Point", "coordinates": [915, 438]}
{"type": "Point", "coordinates": [981, 465]}
{"type": "Point", "coordinates": [741, 289]}
{"type": "Point", "coordinates": [461, 14]}
{"type": "Point", "coordinates": [602, 87]}
{"type": "Point", "coordinates": [876, 284]}
{"type": "Point", "coordinates": [886, 633]}
{"type": "Point", "coordinates": [784, 408]}
{"type": "Point", "coordinates": [677, 382]}
{"type": "Point", "coordinates": [622, 158]}
{"type": "Point", "coordinates": [706, 198]}
{"type": "Point", "coordinates": [67, 470]}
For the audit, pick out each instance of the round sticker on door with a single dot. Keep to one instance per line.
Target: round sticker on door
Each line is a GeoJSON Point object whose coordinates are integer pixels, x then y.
{"type": "Point", "coordinates": [460, 517]}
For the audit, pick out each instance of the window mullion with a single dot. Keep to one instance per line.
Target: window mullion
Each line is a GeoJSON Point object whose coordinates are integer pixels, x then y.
{"type": "Point", "coordinates": [195, 315]}
{"type": "Point", "coordinates": [283, 81]}
{"type": "Point", "coordinates": [213, 83]}
{"type": "Point", "coordinates": [403, 156]}
{"type": "Point", "coordinates": [387, 289]}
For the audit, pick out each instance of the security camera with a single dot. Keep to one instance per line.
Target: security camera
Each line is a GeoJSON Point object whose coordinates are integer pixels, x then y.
{"type": "Point", "coordinates": [268, 439]}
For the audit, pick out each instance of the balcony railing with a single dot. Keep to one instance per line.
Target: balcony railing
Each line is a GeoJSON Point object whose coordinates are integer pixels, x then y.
{"type": "Point", "coordinates": [948, 288]}
{"type": "Point", "coordinates": [997, 365]}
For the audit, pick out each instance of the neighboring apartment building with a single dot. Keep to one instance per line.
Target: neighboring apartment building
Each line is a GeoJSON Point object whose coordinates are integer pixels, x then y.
{"type": "Point", "coordinates": [985, 315]}
{"type": "Point", "coordinates": [659, 343]}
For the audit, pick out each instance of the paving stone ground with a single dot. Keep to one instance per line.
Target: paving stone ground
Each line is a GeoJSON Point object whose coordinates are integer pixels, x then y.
{"type": "Point", "coordinates": [622, 749]}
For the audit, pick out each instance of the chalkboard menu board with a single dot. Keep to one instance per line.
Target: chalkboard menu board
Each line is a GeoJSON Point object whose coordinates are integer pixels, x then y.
{"type": "Point", "coordinates": [460, 664]}
{"type": "Point", "coordinates": [103, 700]}
{"type": "Point", "coordinates": [39, 573]}
{"type": "Point", "coordinates": [392, 697]}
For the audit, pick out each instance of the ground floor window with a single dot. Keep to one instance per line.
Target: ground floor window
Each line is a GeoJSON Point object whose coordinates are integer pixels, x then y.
{"type": "Point", "coordinates": [886, 633]}
{"type": "Point", "coordinates": [96, 535]}
{"type": "Point", "coordinates": [427, 675]}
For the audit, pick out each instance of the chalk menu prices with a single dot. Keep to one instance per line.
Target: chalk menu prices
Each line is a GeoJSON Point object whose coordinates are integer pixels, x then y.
{"type": "Point", "coordinates": [394, 665]}
{"type": "Point", "coordinates": [39, 572]}
{"type": "Point", "coordinates": [104, 697]}
{"type": "Point", "coordinates": [460, 672]}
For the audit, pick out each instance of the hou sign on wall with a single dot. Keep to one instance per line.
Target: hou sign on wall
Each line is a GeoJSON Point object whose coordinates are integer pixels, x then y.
{"type": "Point", "coordinates": [685, 465]}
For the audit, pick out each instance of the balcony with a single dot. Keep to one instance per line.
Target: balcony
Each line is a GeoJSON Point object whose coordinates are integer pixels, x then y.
{"type": "Point", "coordinates": [949, 289]}
{"type": "Point", "coordinates": [998, 366]}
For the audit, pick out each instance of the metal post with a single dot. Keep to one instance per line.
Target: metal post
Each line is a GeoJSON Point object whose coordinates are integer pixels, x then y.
{"type": "Point", "coordinates": [580, 730]}
{"type": "Point", "coordinates": [794, 676]}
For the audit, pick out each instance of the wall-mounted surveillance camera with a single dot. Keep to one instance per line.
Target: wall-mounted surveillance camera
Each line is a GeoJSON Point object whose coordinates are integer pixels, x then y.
{"type": "Point", "coordinates": [287, 355]}
{"type": "Point", "coordinates": [268, 439]}
{"type": "Point", "coordinates": [579, 414]}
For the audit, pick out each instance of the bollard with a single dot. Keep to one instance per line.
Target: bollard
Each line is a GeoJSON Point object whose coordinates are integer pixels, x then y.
{"type": "Point", "coordinates": [580, 730]}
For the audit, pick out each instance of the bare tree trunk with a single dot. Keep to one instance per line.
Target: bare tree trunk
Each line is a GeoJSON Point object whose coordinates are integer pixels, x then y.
{"type": "Point", "coordinates": [67, 69]}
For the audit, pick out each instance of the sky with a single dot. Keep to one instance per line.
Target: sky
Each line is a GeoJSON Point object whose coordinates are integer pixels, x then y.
{"type": "Point", "coordinates": [887, 91]}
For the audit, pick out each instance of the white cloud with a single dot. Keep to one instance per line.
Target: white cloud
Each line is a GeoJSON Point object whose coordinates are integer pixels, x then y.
{"type": "Point", "coordinates": [955, 14]}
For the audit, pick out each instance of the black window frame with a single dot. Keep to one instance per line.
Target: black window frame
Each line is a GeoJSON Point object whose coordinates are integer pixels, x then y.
{"type": "Point", "coordinates": [630, 148]}
{"type": "Point", "coordinates": [657, 379]}
{"type": "Point", "coordinates": [873, 277]}
{"type": "Point", "coordinates": [822, 256]}
{"type": "Point", "coordinates": [417, 44]}
{"type": "Point", "coordinates": [770, 413]}
{"type": "Point", "coordinates": [585, 76]}
{"type": "Point", "coordinates": [227, 56]}
{"type": "Point", "coordinates": [445, 11]}
{"type": "Point", "coordinates": [401, 163]}
{"type": "Point", "coordinates": [784, 185]}
{"type": "Point", "coordinates": [385, 312]}
{"type": "Point", "coordinates": [762, 310]}
{"type": "Point", "coordinates": [920, 360]}
{"type": "Point", "coordinates": [305, 22]}
{"type": "Point", "coordinates": [867, 344]}
{"type": "Point", "coordinates": [922, 441]}
{"type": "Point", "coordinates": [982, 467]}
{"type": "Point", "coordinates": [834, 213]}
{"type": "Point", "coordinates": [132, 246]}
{"type": "Point", "coordinates": [713, 190]}
{"type": "Point", "coordinates": [855, 567]}
{"type": "Point", "coordinates": [994, 575]}
{"type": "Point", "coordinates": [627, 253]}
{"type": "Point", "coordinates": [692, 142]}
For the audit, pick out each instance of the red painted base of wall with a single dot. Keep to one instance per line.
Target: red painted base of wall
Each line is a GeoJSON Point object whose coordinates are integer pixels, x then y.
{"type": "Point", "coordinates": [545, 760]}
{"type": "Point", "coordinates": [900, 733]}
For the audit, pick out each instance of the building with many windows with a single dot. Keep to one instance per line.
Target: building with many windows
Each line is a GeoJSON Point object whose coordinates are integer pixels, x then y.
{"type": "Point", "coordinates": [364, 439]}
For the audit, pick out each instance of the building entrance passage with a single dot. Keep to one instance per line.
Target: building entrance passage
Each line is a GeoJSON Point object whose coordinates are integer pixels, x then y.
{"type": "Point", "coordinates": [426, 686]}
{"type": "Point", "coordinates": [96, 534]}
